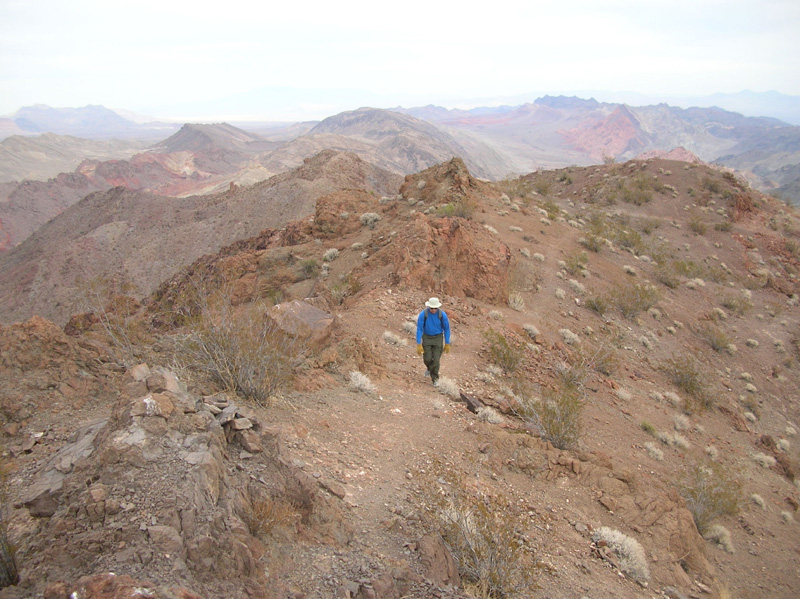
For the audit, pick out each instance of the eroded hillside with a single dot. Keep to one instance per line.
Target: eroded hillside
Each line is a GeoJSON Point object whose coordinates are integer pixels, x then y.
{"type": "Point", "coordinates": [655, 300]}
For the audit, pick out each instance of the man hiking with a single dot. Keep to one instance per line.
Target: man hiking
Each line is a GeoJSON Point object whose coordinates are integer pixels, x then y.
{"type": "Point", "coordinates": [433, 336]}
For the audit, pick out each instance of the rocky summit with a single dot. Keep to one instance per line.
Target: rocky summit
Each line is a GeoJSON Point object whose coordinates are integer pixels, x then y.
{"type": "Point", "coordinates": [617, 416]}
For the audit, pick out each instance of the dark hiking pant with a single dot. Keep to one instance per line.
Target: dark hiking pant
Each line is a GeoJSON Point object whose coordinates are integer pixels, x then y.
{"type": "Point", "coordinates": [432, 346]}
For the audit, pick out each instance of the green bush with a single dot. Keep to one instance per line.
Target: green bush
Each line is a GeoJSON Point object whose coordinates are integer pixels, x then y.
{"type": "Point", "coordinates": [556, 417]}
{"type": "Point", "coordinates": [507, 356]}
{"type": "Point", "coordinates": [542, 186]}
{"type": "Point", "coordinates": [715, 337]}
{"type": "Point", "coordinates": [737, 304]}
{"type": "Point", "coordinates": [576, 263]}
{"type": "Point", "coordinates": [460, 209]}
{"type": "Point", "coordinates": [710, 491]}
{"type": "Point", "coordinates": [597, 303]}
{"type": "Point", "coordinates": [684, 372]}
{"type": "Point", "coordinates": [648, 428]}
{"type": "Point", "coordinates": [698, 225]}
{"type": "Point", "coordinates": [593, 243]}
{"type": "Point", "coordinates": [309, 268]}
{"type": "Point", "coordinates": [633, 298]}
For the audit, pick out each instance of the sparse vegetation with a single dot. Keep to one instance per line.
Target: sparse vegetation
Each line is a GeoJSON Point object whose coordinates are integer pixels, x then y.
{"type": "Point", "coordinates": [361, 382]}
{"type": "Point", "coordinates": [112, 304]}
{"type": "Point", "coordinates": [684, 372]}
{"type": "Point", "coordinates": [9, 574]}
{"type": "Point", "coordinates": [632, 560]}
{"type": "Point", "coordinates": [720, 536]}
{"type": "Point", "coordinates": [507, 355]}
{"type": "Point", "coordinates": [330, 255]}
{"type": "Point", "coordinates": [556, 416]}
{"type": "Point", "coordinates": [484, 536]}
{"type": "Point", "coordinates": [370, 219]}
{"type": "Point", "coordinates": [715, 337]}
{"type": "Point", "coordinates": [241, 348]}
{"type": "Point", "coordinates": [633, 298]}
{"type": "Point", "coordinates": [710, 491]}
{"type": "Point", "coordinates": [264, 513]}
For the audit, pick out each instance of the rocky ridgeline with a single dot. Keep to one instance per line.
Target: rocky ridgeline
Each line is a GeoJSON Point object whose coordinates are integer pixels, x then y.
{"type": "Point", "coordinates": [155, 490]}
{"type": "Point", "coordinates": [164, 490]}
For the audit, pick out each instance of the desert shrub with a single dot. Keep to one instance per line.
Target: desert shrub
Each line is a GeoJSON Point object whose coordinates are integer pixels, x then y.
{"type": "Point", "coordinates": [720, 536]}
{"type": "Point", "coordinates": [330, 255]}
{"type": "Point", "coordinates": [710, 491]}
{"type": "Point", "coordinates": [556, 417]}
{"type": "Point", "coordinates": [263, 513]}
{"type": "Point", "coordinates": [653, 451]}
{"type": "Point", "coordinates": [542, 186]}
{"type": "Point", "coordinates": [361, 382]}
{"type": "Point", "coordinates": [393, 339]}
{"type": "Point", "coordinates": [484, 536]}
{"type": "Point", "coordinates": [632, 559]}
{"type": "Point", "coordinates": [723, 226]}
{"type": "Point", "coordinates": [666, 274]}
{"type": "Point", "coordinates": [241, 349]}
{"type": "Point", "coordinates": [112, 303]}
{"type": "Point", "coordinates": [9, 574]}
{"type": "Point", "coordinates": [569, 337]}
{"type": "Point", "coordinates": [697, 225]}
{"type": "Point", "coordinates": [459, 209]}
{"type": "Point", "coordinates": [684, 372]}
{"type": "Point", "coordinates": [604, 360]}
{"type": "Point", "coordinates": [507, 355]}
{"type": "Point", "coordinates": [597, 303]}
{"type": "Point", "coordinates": [532, 331]}
{"type": "Point", "coordinates": [737, 304]}
{"type": "Point", "coordinates": [370, 219]}
{"type": "Point", "coordinates": [516, 301]}
{"type": "Point", "coordinates": [647, 427]}
{"type": "Point", "coordinates": [449, 387]}
{"type": "Point", "coordinates": [712, 185]}
{"type": "Point", "coordinates": [632, 298]}
{"type": "Point", "coordinates": [576, 263]}
{"type": "Point", "coordinates": [764, 460]}
{"type": "Point", "coordinates": [714, 336]}
{"type": "Point", "coordinates": [309, 268]}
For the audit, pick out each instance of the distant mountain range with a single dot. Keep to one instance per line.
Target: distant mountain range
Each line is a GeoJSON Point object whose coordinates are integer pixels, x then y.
{"type": "Point", "coordinates": [146, 238]}
{"type": "Point", "coordinates": [92, 122]}
{"type": "Point", "coordinates": [494, 142]}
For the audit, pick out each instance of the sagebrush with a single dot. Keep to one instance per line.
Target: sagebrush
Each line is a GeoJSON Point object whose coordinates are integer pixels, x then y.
{"type": "Point", "coordinates": [710, 491]}
{"type": "Point", "coordinates": [241, 348]}
{"type": "Point", "coordinates": [484, 536]}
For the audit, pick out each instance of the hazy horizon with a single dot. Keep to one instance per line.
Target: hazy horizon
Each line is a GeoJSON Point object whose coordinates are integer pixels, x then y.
{"type": "Point", "coordinates": [185, 59]}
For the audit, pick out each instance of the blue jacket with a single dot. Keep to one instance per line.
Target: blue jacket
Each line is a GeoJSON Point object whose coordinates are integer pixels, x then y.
{"type": "Point", "coordinates": [433, 325]}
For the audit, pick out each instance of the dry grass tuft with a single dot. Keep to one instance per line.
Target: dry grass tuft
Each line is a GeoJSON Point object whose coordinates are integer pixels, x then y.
{"type": "Point", "coordinates": [360, 382]}
{"type": "Point", "coordinates": [632, 560]}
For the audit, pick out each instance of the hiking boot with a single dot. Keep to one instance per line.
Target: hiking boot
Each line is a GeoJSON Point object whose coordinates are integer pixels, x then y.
{"type": "Point", "coordinates": [436, 383]}
{"type": "Point", "coordinates": [427, 373]}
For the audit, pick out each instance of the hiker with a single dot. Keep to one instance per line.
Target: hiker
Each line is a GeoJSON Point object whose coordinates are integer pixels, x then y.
{"type": "Point", "coordinates": [433, 336]}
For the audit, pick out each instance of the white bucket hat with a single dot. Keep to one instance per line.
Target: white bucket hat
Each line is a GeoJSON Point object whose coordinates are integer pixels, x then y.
{"type": "Point", "coordinates": [433, 303]}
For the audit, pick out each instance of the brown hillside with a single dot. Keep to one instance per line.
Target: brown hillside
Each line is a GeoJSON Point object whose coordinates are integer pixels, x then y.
{"type": "Point", "coordinates": [140, 239]}
{"type": "Point", "coordinates": [597, 279]}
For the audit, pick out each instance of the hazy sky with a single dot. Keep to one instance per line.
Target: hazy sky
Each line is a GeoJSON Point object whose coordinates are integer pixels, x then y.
{"type": "Point", "coordinates": [164, 56]}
